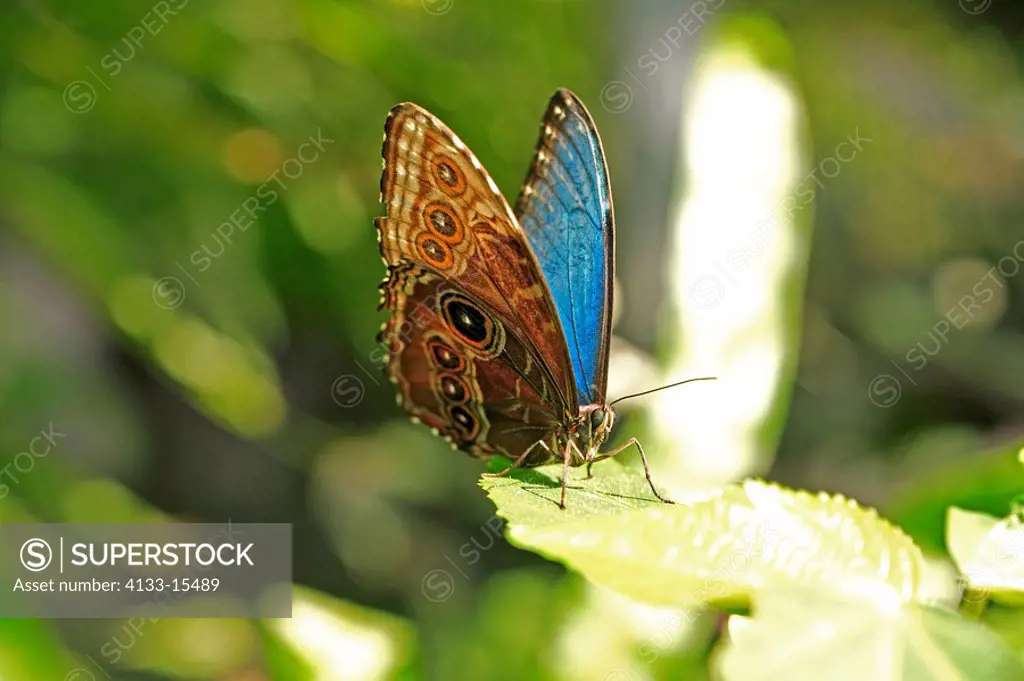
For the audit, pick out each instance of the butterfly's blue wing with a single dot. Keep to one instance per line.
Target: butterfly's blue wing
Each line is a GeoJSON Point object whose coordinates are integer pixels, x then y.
{"type": "Point", "coordinates": [565, 208]}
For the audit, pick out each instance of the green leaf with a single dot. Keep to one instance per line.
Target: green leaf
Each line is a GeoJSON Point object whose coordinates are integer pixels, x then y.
{"type": "Point", "coordinates": [1009, 624]}
{"type": "Point", "coordinates": [30, 649]}
{"type": "Point", "coordinates": [984, 481]}
{"type": "Point", "coordinates": [809, 635]}
{"type": "Point", "coordinates": [719, 550]}
{"type": "Point", "coordinates": [989, 553]}
{"type": "Point", "coordinates": [326, 634]}
{"type": "Point", "coordinates": [533, 493]}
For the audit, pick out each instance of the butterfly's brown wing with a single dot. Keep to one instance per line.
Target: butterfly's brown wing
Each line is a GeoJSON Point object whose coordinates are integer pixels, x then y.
{"type": "Point", "coordinates": [461, 276]}
{"type": "Point", "coordinates": [460, 370]}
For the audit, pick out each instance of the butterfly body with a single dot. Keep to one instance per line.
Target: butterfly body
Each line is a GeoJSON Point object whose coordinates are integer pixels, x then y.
{"type": "Point", "coordinates": [500, 321]}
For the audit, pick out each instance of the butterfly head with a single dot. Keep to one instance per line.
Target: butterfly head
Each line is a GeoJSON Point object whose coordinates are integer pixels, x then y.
{"type": "Point", "coordinates": [593, 426]}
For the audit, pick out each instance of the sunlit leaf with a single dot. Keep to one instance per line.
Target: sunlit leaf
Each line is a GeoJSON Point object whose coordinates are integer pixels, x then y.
{"type": "Point", "coordinates": [809, 635]}
{"type": "Point", "coordinates": [719, 550]}
{"type": "Point", "coordinates": [985, 481]}
{"type": "Point", "coordinates": [327, 639]}
{"type": "Point", "coordinates": [989, 553]}
{"type": "Point", "coordinates": [1009, 624]}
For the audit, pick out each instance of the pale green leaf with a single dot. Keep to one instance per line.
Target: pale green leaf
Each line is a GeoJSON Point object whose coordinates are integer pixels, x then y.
{"type": "Point", "coordinates": [809, 635]}
{"type": "Point", "coordinates": [989, 553]}
{"type": "Point", "coordinates": [1008, 623]}
{"type": "Point", "coordinates": [327, 639]}
{"type": "Point", "coordinates": [985, 481]}
{"type": "Point", "coordinates": [718, 550]}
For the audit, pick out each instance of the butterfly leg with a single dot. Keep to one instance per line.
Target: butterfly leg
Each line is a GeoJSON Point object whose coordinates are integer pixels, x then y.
{"type": "Point", "coordinates": [571, 448]}
{"type": "Point", "coordinates": [566, 458]}
{"type": "Point", "coordinates": [643, 458]}
{"type": "Point", "coordinates": [590, 472]}
{"type": "Point", "coordinates": [519, 460]}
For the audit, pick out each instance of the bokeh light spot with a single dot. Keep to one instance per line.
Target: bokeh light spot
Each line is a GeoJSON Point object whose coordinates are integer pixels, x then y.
{"type": "Point", "coordinates": [251, 155]}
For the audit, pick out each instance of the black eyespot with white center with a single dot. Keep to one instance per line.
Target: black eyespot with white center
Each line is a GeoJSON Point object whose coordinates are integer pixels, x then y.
{"type": "Point", "coordinates": [472, 324]}
{"type": "Point", "coordinates": [464, 421]}
{"type": "Point", "coordinates": [453, 389]}
{"type": "Point", "coordinates": [468, 321]}
{"type": "Point", "coordinates": [445, 356]}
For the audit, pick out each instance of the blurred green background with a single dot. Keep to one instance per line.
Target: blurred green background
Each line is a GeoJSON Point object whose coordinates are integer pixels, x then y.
{"type": "Point", "coordinates": [210, 375]}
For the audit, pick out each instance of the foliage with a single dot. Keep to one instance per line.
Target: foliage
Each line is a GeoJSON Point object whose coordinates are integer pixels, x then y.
{"type": "Point", "coordinates": [192, 375]}
{"type": "Point", "coordinates": [833, 590]}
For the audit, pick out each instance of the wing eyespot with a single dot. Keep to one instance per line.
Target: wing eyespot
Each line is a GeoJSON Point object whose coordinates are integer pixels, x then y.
{"type": "Point", "coordinates": [448, 177]}
{"type": "Point", "coordinates": [464, 421]}
{"type": "Point", "coordinates": [434, 251]}
{"type": "Point", "coordinates": [444, 355]}
{"type": "Point", "coordinates": [473, 325]}
{"type": "Point", "coordinates": [453, 389]}
{"type": "Point", "coordinates": [442, 221]}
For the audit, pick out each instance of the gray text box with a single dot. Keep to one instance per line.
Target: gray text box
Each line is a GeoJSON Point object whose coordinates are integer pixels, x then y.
{"type": "Point", "coordinates": [57, 570]}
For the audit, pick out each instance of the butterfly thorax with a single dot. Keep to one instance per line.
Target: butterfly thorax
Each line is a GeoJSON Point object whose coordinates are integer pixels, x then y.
{"type": "Point", "coordinates": [588, 432]}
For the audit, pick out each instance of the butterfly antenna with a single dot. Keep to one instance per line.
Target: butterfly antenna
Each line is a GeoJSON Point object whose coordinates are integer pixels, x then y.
{"type": "Point", "coordinates": [664, 387]}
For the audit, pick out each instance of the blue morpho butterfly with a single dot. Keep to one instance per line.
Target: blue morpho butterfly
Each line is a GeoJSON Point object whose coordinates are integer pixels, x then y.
{"type": "Point", "coordinates": [500, 321]}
